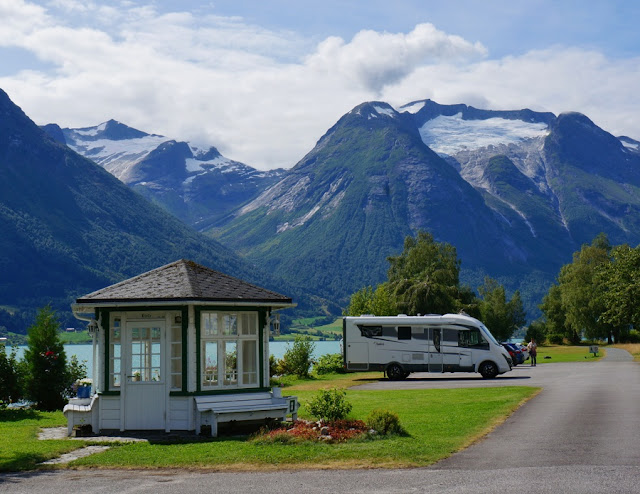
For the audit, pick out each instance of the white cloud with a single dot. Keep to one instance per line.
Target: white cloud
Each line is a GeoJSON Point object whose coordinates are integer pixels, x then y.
{"type": "Point", "coordinates": [265, 97]}
{"type": "Point", "coordinates": [376, 60]}
{"type": "Point", "coordinates": [19, 19]}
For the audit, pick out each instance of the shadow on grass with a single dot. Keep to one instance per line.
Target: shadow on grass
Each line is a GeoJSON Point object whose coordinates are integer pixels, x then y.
{"type": "Point", "coordinates": [18, 414]}
{"type": "Point", "coordinates": [226, 433]}
{"type": "Point", "coordinates": [21, 461]}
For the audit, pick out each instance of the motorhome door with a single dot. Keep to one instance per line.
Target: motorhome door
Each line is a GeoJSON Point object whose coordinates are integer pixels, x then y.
{"type": "Point", "coordinates": [435, 349]}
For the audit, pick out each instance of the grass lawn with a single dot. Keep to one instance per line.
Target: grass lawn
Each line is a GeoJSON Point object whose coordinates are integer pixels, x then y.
{"type": "Point", "coordinates": [439, 423]}
{"type": "Point", "coordinates": [563, 353]}
{"type": "Point", "coordinates": [20, 448]}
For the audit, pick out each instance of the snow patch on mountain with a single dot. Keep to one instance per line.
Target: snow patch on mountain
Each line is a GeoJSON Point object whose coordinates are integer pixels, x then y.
{"type": "Point", "coordinates": [115, 156]}
{"type": "Point", "coordinates": [450, 135]}
{"type": "Point", "coordinates": [413, 107]}
{"type": "Point", "coordinates": [630, 144]}
{"type": "Point", "coordinates": [195, 165]}
{"type": "Point", "coordinates": [92, 131]}
{"type": "Point", "coordinates": [385, 111]}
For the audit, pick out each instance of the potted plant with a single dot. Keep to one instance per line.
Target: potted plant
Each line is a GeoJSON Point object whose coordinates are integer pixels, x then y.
{"type": "Point", "coordinates": [83, 387]}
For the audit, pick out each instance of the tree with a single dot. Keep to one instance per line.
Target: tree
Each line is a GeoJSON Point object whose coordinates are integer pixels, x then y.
{"type": "Point", "coordinates": [620, 284]}
{"type": "Point", "coordinates": [298, 359]}
{"type": "Point", "coordinates": [367, 301]}
{"type": "Point", "coordinates": [46, 379]}
{"type": "Point", "coordinates": [554, 313]}
{"type": "Point", "coordinates": [424, 278]}
{"type": "Point", "coordinates": [581, 295]}
{"type": "Point", "coordinates": [500, 316]}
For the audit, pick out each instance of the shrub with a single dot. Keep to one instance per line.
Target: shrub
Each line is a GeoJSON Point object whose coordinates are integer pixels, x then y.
{"type": "Point", "coordinates": [632, 337]}
{"type": "Point", "coordinates": [536, 330]}
{"type": "Point", "coordinates": [10, 382]}
{"type": "Point", "coordinates": [273, 366]}
{"type": "Point", "coordinates": [329, 364]}
{"type": "Point", "coordinates": [76, 370]}
{"type": "Point", "coordinates": [297, 359]}
{"type": "Point", "coordinates": [384, 422]}
{"type": "Point", "coordinates": [329, 405]}
{"type": "Point", "coordinates": [555, 339]}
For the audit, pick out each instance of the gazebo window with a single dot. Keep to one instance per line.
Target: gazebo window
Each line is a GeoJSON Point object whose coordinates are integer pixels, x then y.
{"type": "Point", "coordinates": [229, 349]}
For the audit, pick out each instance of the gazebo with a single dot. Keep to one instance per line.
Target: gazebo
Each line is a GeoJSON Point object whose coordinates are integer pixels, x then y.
{"type": "Point", "coordinates": [179, 347]}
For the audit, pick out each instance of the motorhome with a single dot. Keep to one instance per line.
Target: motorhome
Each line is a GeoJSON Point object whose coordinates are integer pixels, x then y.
{"type": "Point", "coordinates": [399, 345]}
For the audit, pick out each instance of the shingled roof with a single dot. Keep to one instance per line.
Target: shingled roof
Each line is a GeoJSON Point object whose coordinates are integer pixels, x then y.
{"type": "Point", "coordinates": [182, 281]}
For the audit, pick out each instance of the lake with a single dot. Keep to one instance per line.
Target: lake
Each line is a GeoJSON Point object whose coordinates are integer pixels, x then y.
{"type": "Point", "coordinates": [276, 348]}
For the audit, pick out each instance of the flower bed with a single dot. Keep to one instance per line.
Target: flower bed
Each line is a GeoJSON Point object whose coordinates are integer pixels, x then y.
{"type": "Point", "coordinates": [302, 430]}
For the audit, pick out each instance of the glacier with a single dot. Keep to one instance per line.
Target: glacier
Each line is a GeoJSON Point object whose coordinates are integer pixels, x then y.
{"type": "Point", "coordinates": [451, 135]}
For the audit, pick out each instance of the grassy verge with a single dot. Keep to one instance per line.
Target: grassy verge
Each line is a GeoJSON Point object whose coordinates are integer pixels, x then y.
{"type": "Point", "coordinates": [632, 348]}
{"type": "Point", "coordinates": [20, 448]}
{"type": "Point", "coordinates": [562, 353]}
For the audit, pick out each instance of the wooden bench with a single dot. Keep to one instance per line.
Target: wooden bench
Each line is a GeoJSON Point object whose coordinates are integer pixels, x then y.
{"type": "Point", "coordinates": [81, 411]}
{"type": "Point", "coordinates": [214, 409]}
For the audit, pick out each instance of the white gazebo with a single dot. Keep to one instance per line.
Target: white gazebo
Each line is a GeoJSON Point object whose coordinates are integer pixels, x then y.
{"type": "Point", "coordinates": [177, 348]}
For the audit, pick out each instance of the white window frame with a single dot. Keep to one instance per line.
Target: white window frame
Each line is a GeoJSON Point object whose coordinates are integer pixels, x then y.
{"type": "Point", "coordinates": [246, 329]}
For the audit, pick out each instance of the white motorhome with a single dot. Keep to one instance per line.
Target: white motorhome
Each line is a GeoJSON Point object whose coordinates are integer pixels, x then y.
{"type": "Point", "coordinates": [399, 345]}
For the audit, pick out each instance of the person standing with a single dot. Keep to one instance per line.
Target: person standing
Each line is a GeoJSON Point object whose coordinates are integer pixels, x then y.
{"type": "Point", "coordinates": [533, 351]}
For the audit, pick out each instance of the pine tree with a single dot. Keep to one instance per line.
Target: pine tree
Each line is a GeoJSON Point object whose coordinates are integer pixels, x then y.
{"type": "Point", "coordinates": [45, 359]}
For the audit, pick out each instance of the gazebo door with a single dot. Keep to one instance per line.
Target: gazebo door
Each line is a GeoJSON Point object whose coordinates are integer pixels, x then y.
{"type": "Point", "coordinates": [144, 397]}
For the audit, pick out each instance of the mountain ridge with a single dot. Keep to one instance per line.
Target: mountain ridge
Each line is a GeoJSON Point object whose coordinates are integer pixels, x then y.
{"type": "Point", "coordinates": [196, 185]}
{"type": "Point", "coordinates": [70, 227]}
{"type": "Point", "coordinates": [503, 195]}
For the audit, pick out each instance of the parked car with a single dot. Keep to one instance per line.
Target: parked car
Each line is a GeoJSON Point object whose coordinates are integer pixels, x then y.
{"type": "Point", "coordinates": [525, 351]}
{"type": "Point", "coordinates": [514, 351]}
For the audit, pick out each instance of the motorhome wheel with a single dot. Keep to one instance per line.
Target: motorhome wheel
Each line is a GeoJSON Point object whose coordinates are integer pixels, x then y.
{"type": "Point", "coordinates": [395, 372]}
{"type": "Point", "coordinates": [489, 370]}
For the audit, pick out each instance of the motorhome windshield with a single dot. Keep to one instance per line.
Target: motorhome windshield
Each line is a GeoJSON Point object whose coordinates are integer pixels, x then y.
{"type": "Point", "coordinates": [488, 334]}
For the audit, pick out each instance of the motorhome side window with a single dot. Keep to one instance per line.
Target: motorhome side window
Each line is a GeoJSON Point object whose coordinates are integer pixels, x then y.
{"type": "Point", "coordinates": [370, 331]}
{"type": "Point", "coordinates": [404, 332]}
{"type": "Point", "coordinates": [472, 339]}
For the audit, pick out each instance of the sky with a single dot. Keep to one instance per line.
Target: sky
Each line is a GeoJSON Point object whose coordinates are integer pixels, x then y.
{"type": "Point", "coordinates": [263, 80]}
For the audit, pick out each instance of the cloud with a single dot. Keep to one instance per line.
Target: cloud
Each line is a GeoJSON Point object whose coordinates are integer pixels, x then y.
{"type": "Point", "coordinates": [376, 60]}
{"type": "Point", "coordinates": [19, 19]}
{"type": "Point", "coordinates": [265, 97]}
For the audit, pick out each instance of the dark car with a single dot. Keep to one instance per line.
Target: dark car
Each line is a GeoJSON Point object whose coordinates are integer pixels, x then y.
{"type": "Point", "coordinates": [516, 354]}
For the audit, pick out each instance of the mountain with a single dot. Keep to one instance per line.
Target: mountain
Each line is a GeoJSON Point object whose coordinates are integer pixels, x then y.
{"type": "Point", "coordinates": [564, 176]}
{"type": "Point", "coordinates": [516, 192]}
{"type": "Point", "coordinates": [69, 227]}
{"type": "Point", "coordinates": [198, 186]}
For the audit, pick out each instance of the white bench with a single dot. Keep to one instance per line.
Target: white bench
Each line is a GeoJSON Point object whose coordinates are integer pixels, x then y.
{"type": "Point", "coordinates": [213, 409]}
{"type": "Point", "coordinates": [81, 411]}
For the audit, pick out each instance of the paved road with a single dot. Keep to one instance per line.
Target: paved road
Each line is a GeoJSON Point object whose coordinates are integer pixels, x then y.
{"type": "Point", "coordinates": [580, 434]}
